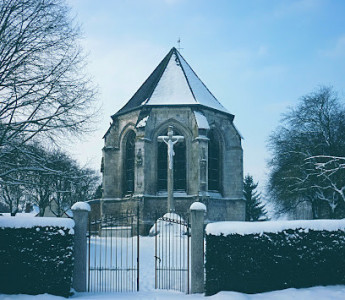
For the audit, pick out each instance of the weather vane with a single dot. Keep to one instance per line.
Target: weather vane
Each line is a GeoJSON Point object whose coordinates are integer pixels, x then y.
{"type": "Point", "coordinates": [179, 44]}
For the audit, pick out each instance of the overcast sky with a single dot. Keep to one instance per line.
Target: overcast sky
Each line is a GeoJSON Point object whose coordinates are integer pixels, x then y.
{"type": "Point", "coordinates": [256, 57]}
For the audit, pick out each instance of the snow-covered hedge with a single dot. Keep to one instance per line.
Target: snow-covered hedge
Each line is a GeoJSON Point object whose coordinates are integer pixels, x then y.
{"type": "Point", "coordinates": [265, 256]}
{"type": "Point", "coordinates": [36, 255]}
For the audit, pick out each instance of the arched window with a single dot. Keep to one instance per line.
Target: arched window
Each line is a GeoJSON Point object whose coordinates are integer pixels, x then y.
{"type": "Point", "coordinates": [179, 165]}
{"type": "Point", "coordinates": [129, 163]}
{"type": "Point", "coordinates": [214, 166]}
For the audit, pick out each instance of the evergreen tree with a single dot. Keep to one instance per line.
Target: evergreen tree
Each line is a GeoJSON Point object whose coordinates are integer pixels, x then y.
{"type": "Point", "coordinates": [255, 210]}
{"type": "Point", "coordinates": [98, 193]}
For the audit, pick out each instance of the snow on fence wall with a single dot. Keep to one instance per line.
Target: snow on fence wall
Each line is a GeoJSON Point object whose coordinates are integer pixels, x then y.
{"type": "Point", "coordinates": [254, 257]}
{"type": "Point", "coordinates": [36, 255]}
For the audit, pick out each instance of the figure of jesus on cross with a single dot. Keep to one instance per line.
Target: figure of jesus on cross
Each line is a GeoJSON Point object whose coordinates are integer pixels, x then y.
{"type": "Point", "coordinates": [171, 140]}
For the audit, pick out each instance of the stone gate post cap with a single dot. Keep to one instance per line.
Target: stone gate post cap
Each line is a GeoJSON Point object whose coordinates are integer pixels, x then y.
{"type": "Point", "coordinates": [198, 206]}
{"type": "Point", "coordinates": [81, 206]}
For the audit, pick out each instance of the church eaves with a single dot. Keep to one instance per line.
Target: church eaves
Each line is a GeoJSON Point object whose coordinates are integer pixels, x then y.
{"type": "Point", "coordinates": [172, 83]}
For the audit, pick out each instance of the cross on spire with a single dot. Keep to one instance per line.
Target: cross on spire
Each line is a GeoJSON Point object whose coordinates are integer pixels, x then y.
{"type": "Point", "coordinates": [179, 45]}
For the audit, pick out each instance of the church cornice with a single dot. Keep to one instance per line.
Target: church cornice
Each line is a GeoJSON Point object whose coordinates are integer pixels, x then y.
{"type": "Point", "coordinates": [201, 138]}
{"type": "Point", "coordinates": [146, 140]}
{"type": "Point", "coordinates": [110, 148]}
{"type": "Point", "coordinates": [193, 106]}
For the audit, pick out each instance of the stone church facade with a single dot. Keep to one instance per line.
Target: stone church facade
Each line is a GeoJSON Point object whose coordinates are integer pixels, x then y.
{"type": "Point", "coordinates": [208, 163]}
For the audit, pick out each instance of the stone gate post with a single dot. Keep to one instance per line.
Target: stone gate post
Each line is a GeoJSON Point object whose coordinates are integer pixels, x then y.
{"type": "Point", "coordinates": [197, 211]}
{"type": "Point", "coordinates": [80, 216]}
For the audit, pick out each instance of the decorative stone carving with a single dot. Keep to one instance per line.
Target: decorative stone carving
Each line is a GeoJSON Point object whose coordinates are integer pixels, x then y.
{"type": "Point", "coordinates": [139, 158]}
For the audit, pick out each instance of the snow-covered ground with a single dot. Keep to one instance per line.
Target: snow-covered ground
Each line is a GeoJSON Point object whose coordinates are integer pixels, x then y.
{"type": "Point", "coordinates": [315, 293]}
{"type": "Point", "coordinates": [147, 291]}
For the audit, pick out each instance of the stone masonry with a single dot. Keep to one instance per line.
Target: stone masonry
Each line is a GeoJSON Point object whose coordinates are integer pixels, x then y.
{"type": "Point", "coordinates": [195, 122]}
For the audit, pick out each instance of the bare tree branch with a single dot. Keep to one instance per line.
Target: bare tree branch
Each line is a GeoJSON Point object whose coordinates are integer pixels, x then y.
{"type": "Point", "coordinates": [42, 88]}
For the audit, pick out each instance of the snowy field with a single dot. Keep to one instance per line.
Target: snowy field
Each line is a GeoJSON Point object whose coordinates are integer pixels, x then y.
{"type": "Point", "coordinates": [147, 291]}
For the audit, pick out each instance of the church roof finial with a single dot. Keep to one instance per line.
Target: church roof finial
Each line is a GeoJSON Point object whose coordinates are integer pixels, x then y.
{"type": "Point", "coordinates": [179, 45]}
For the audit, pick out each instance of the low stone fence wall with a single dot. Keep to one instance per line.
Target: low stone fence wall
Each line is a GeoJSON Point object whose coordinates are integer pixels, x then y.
{"type": "Point", "coordinates": [253, 257]}
{"type": "Point", "coordinates": [36, 255]}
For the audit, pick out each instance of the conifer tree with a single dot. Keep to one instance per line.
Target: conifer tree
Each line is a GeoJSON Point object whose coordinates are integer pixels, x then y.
{"type": "Point", "coordinates": [255, 210]}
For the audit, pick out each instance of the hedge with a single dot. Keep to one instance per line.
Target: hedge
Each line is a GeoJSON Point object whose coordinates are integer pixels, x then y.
{"type": "Point", "coordinates": [36, 260]}
{"type": "Point", "coordinates": [255, 263]}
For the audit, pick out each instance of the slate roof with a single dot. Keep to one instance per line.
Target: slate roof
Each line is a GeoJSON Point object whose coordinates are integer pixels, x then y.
{"type": "Point", "coordinates": [173, 82]}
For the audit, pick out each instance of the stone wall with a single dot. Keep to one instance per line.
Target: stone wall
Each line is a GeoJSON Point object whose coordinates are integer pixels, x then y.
{"type": "Point", "coordinates": [151, 208]}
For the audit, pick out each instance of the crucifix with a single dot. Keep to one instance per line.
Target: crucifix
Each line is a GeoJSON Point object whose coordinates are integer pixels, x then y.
{"type": "Point", "coordinates": [171, 140]}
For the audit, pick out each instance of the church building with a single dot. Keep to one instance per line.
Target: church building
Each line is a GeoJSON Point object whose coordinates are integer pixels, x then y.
{"type": "Point", "coordinates": [207, 161]}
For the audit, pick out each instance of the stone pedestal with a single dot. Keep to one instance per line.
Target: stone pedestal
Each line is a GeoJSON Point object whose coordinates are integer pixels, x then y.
{"type": "Point", "coordinates": [80, 215]}
{"type": "Point", "coordinates": [197, 211]}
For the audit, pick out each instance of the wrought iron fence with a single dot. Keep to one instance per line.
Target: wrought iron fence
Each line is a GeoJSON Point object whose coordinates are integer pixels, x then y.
{"type": "Point", "coordinates": [172, 255]}
{"type": "Point", "coordinates": [113, 253]}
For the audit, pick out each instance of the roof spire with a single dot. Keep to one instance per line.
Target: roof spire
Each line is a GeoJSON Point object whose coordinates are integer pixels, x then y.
{"type": "Point", "coordinates": [173, 82]}
{"type": "Point", "coordinates": [179, 45]}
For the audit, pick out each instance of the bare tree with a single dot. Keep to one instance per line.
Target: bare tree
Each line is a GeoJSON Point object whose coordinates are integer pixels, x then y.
{"type": "Point", "coordinates": [12, 196]}
{"type": "Point", "coordinates": [61, 180]}
{"type": "Point", "coordinates": [45, 176]}
{"type": "Point", "coordinates": [43, 90]}
{"type": "Point", "coordinates": [308, 155]}
{"type": "Point", "coordinates": [13, 170]}
{"type": "Point", "coordinates": [70, 182]}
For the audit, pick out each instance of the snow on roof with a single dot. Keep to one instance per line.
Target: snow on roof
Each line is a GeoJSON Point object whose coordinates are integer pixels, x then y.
{"type": "Point", "coordinates": [35, 210]}
{"type": "Point", "coordinates": [201, 120]}
{"type": "Point", "coordinates": [244, 228]}
{"type": "Point", "coordinates": [200, 91]}
{"type": "Point", "coordinates": [172, 87]}
{"type": "Point", "coordinates": [69, 213]}
{"type": "Point", "coordinates": [142, 122]}
{"type": "Point", "coordinates": [173, 82]}
{"type": "Point", "coordinates": [29, 222]}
